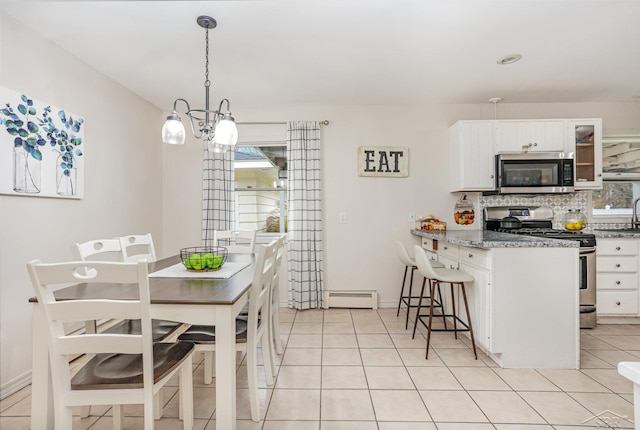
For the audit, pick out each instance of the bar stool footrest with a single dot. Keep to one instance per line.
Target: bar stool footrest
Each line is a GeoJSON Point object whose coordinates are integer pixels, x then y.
{"type": "Point", "coordinates": [417, 299]}
{"type": "Point", "coordinates": [464, 325]}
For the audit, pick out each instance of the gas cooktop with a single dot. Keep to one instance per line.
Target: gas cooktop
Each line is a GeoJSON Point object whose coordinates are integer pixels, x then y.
{"type": "Point", "coordinates": [534, 221]}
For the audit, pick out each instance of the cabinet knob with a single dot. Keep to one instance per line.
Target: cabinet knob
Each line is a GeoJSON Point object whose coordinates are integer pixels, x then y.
{"type": "Point", "coordinates": [617, 248]}
{"type": "Point", "coordinates": [617, 303]}
{"type": "Point", "coordinates": [599, 175]}
{"type": "Point", "coordinates": [491, 176]}
{"type": "Point", "coordinates": [618, 265]}
{"type": "Point", "coordinates": [470, 255]}
{"type": "Point", "coordinates": [617, 282]}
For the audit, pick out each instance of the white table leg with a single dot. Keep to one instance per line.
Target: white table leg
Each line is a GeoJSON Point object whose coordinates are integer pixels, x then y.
{"type": "Point", "coordinates": [41, 390]}
{"type": "Point", "coordinates": [225, 368]}
{"type": "Point", "coordinates": [636, 405]}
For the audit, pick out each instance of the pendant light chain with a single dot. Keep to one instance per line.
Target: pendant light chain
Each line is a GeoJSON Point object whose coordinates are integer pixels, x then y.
{"type": "Point", "coordinates": [207, 83]}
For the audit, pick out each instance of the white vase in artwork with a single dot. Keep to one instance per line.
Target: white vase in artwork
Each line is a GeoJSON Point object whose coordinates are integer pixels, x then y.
{"type": "Point", "coordinates": [26, 172]}
{"type": "Point", "coordinates": [66, 177]}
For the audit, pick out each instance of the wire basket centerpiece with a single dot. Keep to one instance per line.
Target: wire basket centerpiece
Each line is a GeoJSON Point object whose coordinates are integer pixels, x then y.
{"type": "Point", "coordinates": [203, 258]}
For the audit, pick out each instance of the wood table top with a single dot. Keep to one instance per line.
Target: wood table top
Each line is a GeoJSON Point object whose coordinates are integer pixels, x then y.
{"type": "Point", "coordinates": [171, 290]}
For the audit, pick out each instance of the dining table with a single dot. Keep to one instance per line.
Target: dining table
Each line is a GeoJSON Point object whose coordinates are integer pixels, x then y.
{"type": "Point", "coordinates": [191, 299]}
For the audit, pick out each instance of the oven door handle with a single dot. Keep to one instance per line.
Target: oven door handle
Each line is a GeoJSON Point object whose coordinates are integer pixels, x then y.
{"type": "Point", "coordinates": [587, 250]}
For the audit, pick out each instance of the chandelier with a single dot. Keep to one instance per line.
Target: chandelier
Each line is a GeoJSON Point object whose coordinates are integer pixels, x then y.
{"type": "Point", "coordinates": [216, 128]}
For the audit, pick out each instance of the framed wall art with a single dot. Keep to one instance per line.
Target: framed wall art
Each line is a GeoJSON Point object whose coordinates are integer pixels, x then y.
{"type": "Point", "coordinates": [383, 161]}
{"type": "Point", "coordinates": [41, 148]}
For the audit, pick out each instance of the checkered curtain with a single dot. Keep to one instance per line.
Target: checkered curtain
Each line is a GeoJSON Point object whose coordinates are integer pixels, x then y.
{"type": "Point", "coordinates": [305, 215]}
{"type": "Point", "coordinates": [218, 194]}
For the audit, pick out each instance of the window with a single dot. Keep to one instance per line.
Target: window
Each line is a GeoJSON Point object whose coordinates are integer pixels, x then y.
{"type": "Point", "coordinates": [621, 179]}
{"type": "Point", "coordinates": [261, 184]}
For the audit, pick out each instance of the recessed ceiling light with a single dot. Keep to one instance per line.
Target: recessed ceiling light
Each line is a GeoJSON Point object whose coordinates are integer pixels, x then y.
{"type": "Point", "coordinates": [509, 59]}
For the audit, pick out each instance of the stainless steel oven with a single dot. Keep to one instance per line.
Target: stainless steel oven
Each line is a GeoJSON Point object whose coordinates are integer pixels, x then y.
{"type": "Point", "coordinates": [587, 287]}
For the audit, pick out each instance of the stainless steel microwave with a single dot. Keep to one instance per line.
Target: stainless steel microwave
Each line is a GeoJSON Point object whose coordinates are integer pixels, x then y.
{"type": "Point", "coordinates": [534, 173]}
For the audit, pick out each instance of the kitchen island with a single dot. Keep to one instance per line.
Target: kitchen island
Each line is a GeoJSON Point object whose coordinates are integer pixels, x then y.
{"type": "Point", "coordinates": [524, 300]}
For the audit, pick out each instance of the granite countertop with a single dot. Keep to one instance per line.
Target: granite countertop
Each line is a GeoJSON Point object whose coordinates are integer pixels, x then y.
{"type": "Point", "coordinates": [494, 239]}
{"type": "Point", "coordinates": [600, 234]}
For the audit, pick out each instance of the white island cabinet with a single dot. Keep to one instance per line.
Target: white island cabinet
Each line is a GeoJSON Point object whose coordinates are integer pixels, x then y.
{"type": "Point", "coordinates": [524, 300]}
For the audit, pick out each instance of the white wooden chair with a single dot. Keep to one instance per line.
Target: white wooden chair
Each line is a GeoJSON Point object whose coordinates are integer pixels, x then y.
{"type": "Point", "coordinates": [251, 332]}
{"type": "Point", "coordinates": [113, 250]}
{"type": "Point", "coordinates": [236, 241]}
{"type": "Point", "coordinates": [138, 247]}
{"type": "Point", "coordinates": [274, 310]}
{"type": "Point", "coordinates": [126, 368]}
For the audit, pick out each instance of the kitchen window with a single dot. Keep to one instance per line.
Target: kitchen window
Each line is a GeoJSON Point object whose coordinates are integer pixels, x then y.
{"type": "Point", "coordinates": [261, 187]}
{"type": "Point", "coordinates": [621, 180]}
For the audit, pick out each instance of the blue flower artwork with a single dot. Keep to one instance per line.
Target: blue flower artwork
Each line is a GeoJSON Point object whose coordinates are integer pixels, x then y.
{"type": "Point", "coordinates": [41, 148]}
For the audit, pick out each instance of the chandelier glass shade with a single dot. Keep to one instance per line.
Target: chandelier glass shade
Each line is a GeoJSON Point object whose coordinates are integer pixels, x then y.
{"type": "Point", "coordinates": [216, 127]}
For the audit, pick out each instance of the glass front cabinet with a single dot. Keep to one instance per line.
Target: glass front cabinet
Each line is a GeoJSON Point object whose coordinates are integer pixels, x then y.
{"type": "Point", "coordinates": [584, 139]}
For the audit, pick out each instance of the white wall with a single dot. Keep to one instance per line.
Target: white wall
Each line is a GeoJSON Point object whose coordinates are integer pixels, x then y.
{"type": "Point", "coordinates": [361, 253]}
{"type": "Point", "coordinates": [123, 180]}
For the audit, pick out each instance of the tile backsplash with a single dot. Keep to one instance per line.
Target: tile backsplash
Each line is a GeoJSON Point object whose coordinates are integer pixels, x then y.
{"type": "Point", "coordinates": [560, 203]}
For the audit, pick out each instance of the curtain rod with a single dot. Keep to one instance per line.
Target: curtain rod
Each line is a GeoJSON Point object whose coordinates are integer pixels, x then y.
{"type": "Point", "coordinates": [323, 122]}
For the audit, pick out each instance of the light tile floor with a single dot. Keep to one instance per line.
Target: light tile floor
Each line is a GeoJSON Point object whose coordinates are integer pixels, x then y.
{"type": "Point", "coordinates": [360, 370]}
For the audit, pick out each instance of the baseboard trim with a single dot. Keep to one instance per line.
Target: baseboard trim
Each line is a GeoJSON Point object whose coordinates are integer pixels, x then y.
{"type": "Point", "coordinates": [381, 304]}
{"type": "Point", "coordinates": [15, 385]}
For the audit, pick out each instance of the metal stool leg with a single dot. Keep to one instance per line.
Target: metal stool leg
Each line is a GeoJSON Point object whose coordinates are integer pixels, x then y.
{"type": "Point", "coordinates": [432, 295]}
{"type": "Point", "coordinates": [466, 307]}
{"type": "Point", "coordinates": [404, 278]}
{"type": "Point", "coordinates": [444, 317]}
{"type": "Point", "coordinates": [453, 305]}
{"type": "Point", "coordinates": [415, 323]}
{"type": "Point", "coordinates": [406, 323]}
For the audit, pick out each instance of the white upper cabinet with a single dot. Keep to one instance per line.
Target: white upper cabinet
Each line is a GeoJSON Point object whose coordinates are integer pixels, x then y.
{"type": "Point", "coordinates": [471, 156]}
{"type": "Point", "coordinates": [584, 139]}
{"type": "Point", "coordinates": [473, 145]}
{"type": "Point", "coordinates": [530, 135]}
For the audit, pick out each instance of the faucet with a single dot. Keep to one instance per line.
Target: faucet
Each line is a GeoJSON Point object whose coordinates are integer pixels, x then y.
{"type": "Point", "coordinates": [635, 223]}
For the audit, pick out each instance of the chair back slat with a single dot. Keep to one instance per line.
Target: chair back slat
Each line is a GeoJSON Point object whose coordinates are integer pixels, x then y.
{"type": "Point", "coordinates": [98, 250]}
{"type": "Point", "coordinates": [236, 241]}
{"type": "Point", "coordinates": [137, 247]}
{"type": "Point", "coordinates": [85, 310]}
{"type": "Point", "coordinates": [100, 343]}
{"type": "Point", "coordinates": [71, 272]}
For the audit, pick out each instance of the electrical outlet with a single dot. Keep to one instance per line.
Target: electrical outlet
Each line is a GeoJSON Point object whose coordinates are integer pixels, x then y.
{"type": "Point", "coordinates": [342, 217]}
{"type": "Point", "coordinates": [412, 217]}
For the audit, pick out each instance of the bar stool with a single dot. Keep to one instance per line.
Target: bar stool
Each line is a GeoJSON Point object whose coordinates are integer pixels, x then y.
{"type": "Point", "coordinates": [409, 263]}
{"type": "Point", "coordinates": [436, 277]}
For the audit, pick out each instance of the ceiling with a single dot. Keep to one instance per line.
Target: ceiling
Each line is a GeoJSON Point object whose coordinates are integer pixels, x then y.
{"type": "Point", "coordinates": [353, 52]}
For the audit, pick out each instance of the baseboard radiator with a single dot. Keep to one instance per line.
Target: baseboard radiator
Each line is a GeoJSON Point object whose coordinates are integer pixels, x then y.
{"type": "Point", "coordinates": [351, 299]}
